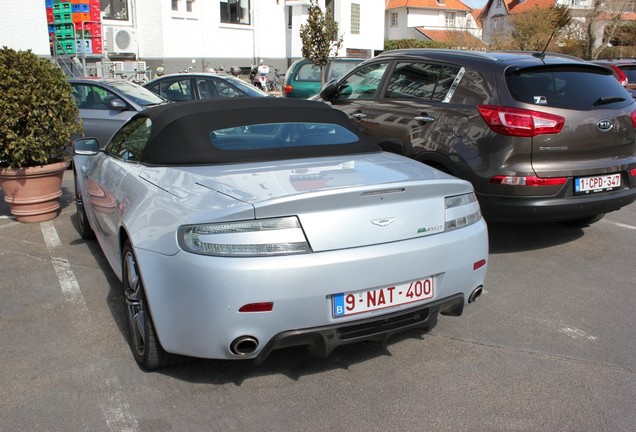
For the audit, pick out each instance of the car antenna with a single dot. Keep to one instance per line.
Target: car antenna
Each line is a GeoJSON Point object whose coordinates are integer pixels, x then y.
{"type": "Point", "coordinates": [541, 55]}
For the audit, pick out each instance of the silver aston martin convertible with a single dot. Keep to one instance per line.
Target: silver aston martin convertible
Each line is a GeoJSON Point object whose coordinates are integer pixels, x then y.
{"type": "Point", "coordinates": [239, 226]}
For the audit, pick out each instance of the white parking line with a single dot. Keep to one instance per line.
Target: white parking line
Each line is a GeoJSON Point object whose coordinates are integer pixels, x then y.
{"type": "Point", "coordinates": [116, 410]}
{"type": "Point", "coordinates": [618, 224]}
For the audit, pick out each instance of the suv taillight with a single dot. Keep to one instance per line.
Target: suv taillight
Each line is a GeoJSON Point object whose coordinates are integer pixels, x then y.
{"type": "Point", "coordinates": [621, 77]}
{"type": "Point", "coordinates": [520, 122]}
{"type": "Point", "coordinates": [633, 116]}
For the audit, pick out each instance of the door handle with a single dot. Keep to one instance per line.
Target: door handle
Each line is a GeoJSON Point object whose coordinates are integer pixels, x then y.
{"type": "Point", "coordinates": [424, 118]}
{"type": "Point", "coordinates": [359, 116]}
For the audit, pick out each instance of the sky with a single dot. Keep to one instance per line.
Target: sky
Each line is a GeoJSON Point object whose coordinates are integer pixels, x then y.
{"type": "Point", "coordinates": [475, 4]}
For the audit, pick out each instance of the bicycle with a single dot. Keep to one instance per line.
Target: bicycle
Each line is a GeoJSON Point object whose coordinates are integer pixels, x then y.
{"type": "Point", "coordinates": [277, 82]}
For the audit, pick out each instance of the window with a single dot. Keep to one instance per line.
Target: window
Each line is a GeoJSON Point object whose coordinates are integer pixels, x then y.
{"type": "Point", "coordinates": [355, 18]}
{"type": "Point", "coordinates": [281, 136]}
{"type": "Point", "coordinates": [189, 5]}
{"type": "Point", "coordinates": [235, 11]}
{"type": "Point", "coordinates": [115, 9]}
{"type": "Point", "coordinates": [175, 5]}
{"type": "Point", "coordinates": [178, 90]}
{"type": "Point", "coordinates": [421, 81]}
{"type": "Point", "coordinates": [394, 19]}
{"type": "Point", "coordinates": [450, 19]}
{"type": "Point", "coordinates": [92, 97]}
{"type": "Point", "coordinates": [364, 83]}
{"type": "Point", "coordinates": [129, 143]}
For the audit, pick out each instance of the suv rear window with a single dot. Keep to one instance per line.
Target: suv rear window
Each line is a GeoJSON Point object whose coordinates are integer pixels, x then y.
{"type": "Point", "coordinates": [569, 87]}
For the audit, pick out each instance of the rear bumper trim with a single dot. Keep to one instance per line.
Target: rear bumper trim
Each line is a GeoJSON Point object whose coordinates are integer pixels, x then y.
{"type": "Point", "coordinates": [323, 340]}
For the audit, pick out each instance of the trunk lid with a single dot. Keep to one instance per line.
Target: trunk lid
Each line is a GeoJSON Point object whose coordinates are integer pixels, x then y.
{"type": "Point", "coordinates": [344, 202]}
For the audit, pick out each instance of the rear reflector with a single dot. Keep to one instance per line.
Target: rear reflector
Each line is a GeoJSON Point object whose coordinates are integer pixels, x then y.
{"type": "Point", "coordinates": [520, 122]}
{"type": "Point", "coordinates": [257, 307]}
{"type": "Point", "coordinates": [479, 264]}
{"type": "Point", "coordinates": [528, 181]}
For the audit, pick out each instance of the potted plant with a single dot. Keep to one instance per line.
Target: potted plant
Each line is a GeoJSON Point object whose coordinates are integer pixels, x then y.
{"type": "Point", "coordinates": [37, 118]}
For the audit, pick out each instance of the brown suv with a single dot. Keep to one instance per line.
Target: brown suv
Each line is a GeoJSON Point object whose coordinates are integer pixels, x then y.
{"type": "Point", "coordinates": [541, 137]}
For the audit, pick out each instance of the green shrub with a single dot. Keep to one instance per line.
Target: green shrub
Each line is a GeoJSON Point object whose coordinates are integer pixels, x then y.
{"type": "Point", "coordinates": [411, 43]}
{"type": "Point", "coordinates": [37, 113]}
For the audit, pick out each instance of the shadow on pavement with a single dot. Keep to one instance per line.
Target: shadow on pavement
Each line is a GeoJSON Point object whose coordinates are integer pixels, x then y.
{"type": "Point", "coordinates": [506, 238]}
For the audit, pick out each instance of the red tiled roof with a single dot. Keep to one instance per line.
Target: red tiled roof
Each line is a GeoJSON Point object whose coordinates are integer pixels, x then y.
{"type": "Point", "coordinates": [427, 4]}
{"type": "Point", "coordinates": [521, 6]}
{"type": "Point", "coordinates": [451, 36]}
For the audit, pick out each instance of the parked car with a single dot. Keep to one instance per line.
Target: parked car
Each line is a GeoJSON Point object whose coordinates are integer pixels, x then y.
{"type": "Point", "coordinates": [624, 71]}
{"type": "Point", "coordinates": [105, 104]}
{"type": "Point", "coordinates": [191, 86]}
{"type": "Point", "coordinates": [541, 137]}
{"type": "Point", "coordinates": [273, 223]}
{"type": "Point", "coordinates": [302, 79]}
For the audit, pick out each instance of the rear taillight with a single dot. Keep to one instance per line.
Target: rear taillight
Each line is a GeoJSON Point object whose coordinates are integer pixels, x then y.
{"type": "Point", "coordinates": [620, 76]}
{"type": "Point", "coordinates": [632, 172]}
{"type": "Point", "coordinates": [528, 180]}
{"type": "Point", "coordinates": [287, 88]}
{"type": "Point", "coordinates": [633, 116]}
{"type": "Point", "coordinates": [520, 122]}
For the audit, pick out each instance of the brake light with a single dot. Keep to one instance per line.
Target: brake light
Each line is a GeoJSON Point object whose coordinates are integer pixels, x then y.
{"type": "Point", "coordinates": [620, 76]}
{"type": "Point", "coordinates": [632, 172]}
{"type": "Point", "coordinates": [520, 122]}
{"type": "Point", "coordinates": [633, 116]}
{"type": "Point", "coordinates": [287, 88]}
{"type": "Point", "coordinates": [528, 180]}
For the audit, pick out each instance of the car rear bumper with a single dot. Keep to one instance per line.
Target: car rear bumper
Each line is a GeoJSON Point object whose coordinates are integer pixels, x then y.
{"type": "Point", "coordinates": [195, 300]}
{"type": "Point", "coordinates": [498, 208]}
{"type": "Point", "coordinates": [322, 340]}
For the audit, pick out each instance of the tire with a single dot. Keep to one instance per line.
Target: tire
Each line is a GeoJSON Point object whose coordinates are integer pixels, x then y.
{"type": "Point", "coordinates": [142, 337]}
{"type": "Point", "coordinates": [583, 222]}
{"type": "Point", "coordinates": [83, 225]}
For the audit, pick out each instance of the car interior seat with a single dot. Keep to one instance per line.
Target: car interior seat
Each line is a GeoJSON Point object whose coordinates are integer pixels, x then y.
{"type": "Point", "coordinates": [93, 100]}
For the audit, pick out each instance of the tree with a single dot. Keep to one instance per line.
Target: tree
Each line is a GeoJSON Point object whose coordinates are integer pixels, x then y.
{"type": "Point", "coordinates": [536, 29]}
{"type": "Point", "coordinates": [320, 38]}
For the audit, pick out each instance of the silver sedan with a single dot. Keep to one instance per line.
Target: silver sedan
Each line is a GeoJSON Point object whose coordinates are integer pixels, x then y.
{"type": "Point", "coordinates": [240, 226]}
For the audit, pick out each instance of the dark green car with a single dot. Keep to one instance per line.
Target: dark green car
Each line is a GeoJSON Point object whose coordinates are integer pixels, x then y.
{"type": "Point", "coordinates": [302, 79]}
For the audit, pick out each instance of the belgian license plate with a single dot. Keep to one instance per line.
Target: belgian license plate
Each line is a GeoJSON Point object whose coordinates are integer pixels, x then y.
{"type": "Point", "coordinates": [351, 303]}
{"type": "Point", "coordinates": [601, 183]}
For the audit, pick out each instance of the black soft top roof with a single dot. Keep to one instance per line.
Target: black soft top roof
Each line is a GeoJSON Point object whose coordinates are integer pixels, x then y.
{"type": "Point", "coordinates": [180, 132]}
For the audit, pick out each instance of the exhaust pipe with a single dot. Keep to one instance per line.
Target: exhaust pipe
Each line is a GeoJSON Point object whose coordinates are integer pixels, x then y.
{"type": "Point", "coordinates": [475, 294]}
{"type": "Point", "coordinates": [243, 345]}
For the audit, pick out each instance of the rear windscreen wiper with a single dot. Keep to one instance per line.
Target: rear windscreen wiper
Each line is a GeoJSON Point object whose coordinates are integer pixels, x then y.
{"type": "Point", "coordinates": [608, 100]}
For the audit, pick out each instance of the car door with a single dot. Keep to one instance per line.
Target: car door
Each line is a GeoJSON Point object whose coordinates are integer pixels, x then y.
{"type": "Point", "coordinates": [413, 113]}
{"type": "Point", "coordinates": [109, 183]}
{"type": "Point", "coordinates": [100, 119]}
{"type": "Point", "coordinates": [357, 91]}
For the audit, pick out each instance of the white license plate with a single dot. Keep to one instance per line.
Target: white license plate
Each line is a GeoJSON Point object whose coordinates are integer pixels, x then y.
{"type": "Point", "coordinates": [597, 183]}
{"type": "Point", "coordinates": [351, 303]}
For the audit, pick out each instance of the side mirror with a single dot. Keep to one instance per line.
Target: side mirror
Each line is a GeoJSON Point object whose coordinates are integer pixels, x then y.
{"type": "Point", "coordinates": [86, 147]}
{"type": "Point", "coordinates": [118, 104]}
{"type": "Point", "coordinates": [329, 91]}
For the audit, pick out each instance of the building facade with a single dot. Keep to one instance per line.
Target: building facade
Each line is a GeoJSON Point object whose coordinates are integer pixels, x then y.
{"type": "Point", "coordinates": [449, 21]}
{"type": "Point", "coordinates": [200, 34]}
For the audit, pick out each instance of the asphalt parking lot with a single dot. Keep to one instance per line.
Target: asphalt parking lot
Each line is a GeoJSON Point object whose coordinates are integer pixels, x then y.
{"type": "Point", "coordinates": [550, 346]}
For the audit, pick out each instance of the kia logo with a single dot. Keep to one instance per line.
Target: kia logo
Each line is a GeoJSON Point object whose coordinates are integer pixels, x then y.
{"type": "Point", "coordinates": [605, 125]}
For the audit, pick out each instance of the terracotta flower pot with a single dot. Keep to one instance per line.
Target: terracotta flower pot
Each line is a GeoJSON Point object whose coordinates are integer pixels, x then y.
{"type": "Point", "coordinates": [33, 193]}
